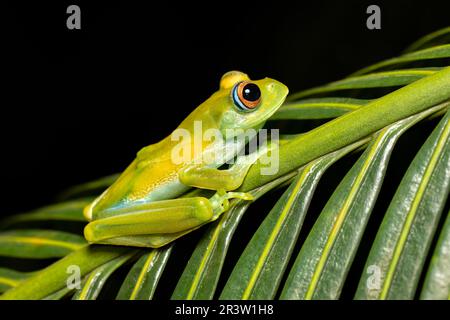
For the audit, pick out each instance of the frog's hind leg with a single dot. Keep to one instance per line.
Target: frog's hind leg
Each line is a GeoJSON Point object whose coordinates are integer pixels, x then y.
{"type": "Point", "coordinates": [160, 222]}
{"type": "Point", "coordinates": [159, 217]}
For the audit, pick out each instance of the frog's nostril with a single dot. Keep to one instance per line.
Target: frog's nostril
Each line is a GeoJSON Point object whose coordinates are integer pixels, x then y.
{"type": "Point", "coordinates": [279, 88]}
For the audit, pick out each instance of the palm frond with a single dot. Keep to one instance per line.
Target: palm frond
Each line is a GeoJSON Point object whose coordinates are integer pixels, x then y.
{"type": "Point", "coordinates": [370, 111]}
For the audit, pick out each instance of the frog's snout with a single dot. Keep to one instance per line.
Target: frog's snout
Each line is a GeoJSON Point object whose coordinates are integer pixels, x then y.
{"type": "Point", "coordinates": [276, 87]}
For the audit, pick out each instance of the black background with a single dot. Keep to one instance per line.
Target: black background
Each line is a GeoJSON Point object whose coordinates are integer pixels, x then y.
{"type": "Point", "coordinates": [78, 104]}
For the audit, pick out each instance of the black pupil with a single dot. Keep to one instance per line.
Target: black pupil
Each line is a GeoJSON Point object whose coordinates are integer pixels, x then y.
{"type": "Point", "coordinates": [251, 92]}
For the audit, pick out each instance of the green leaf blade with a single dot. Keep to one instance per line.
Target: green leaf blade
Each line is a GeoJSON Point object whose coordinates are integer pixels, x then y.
{"type": "Point", "coordinates": [201, 275]}
{"type": "Point", "coordinates": [141, 281]}
{"type": "Point", "coordinates": [374, 80]}
{"type": "Point", "coordinates": [437, 52]}
{"type": "Point", "coordinates": [321, 108]}
{"type": "Point", "coordinates": [353, 126]}
{"type": "Point", "coordinates": [438, 37]}
{"type": "Point", "coordinates": [437, 281]}
{"type": "Point", "coordinates": [53, 278]}
{"type": "Point", "coordinates": [96, 279]}
{"type": "Point", "coordinates": [11, 278]}
{"type": "Point", "coordinates": [60, 294]}
{"type": "Point", "coordinates": [88, 188]}
{"type": "Point", "coordinates": [39, 244]}
{"type": "Point", "coordinates": [260, 268]}
{"type": "Point", "coordinates": [321, 267]}
{"type": "Point", "coordinates": [65, 211]}
{"type": "Point", "coordinates": [403, 240]}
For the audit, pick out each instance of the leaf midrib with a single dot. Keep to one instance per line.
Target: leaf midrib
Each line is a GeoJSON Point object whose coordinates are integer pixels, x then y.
{"type": "Point", "coordinates": [42, 241]}
{"type": "Point", "coordinates": [141, 277]}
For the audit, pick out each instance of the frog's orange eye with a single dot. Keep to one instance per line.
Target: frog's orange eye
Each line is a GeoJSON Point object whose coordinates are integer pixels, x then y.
{"type": "Point", "coordinates": [246, 95]}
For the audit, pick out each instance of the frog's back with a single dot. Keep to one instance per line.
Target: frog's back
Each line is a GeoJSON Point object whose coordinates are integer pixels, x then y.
{"type": "Point", "coordinates": [150, 178]}
{"type": "Point", "coordinates": [153, 175]}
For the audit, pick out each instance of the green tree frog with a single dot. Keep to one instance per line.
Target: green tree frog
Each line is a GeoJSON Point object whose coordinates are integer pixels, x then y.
{"type": "Point", "coordinates": [141, 207]}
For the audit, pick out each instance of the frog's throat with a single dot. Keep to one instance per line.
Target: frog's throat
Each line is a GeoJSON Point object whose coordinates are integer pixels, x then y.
{"type": "Point", "coordinates": [220, 201]}
{"type": "Point", "coordinates": [260, 122]}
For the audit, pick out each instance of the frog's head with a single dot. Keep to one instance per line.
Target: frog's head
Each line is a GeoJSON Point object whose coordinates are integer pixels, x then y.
{"type": "Point", "coordinates": [244, 103]}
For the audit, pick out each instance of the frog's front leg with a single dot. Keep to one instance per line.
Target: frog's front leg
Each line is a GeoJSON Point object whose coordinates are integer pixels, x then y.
{"type": "Point", "coordinates": [202, 176]}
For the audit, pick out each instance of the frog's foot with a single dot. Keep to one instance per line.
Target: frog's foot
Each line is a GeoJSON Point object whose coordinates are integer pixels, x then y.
{"type": "Point", "coordinates": [220, 201]}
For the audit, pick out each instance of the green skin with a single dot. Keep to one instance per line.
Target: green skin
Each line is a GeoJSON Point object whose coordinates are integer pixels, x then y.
{"type": "Point", "coordinates": [139, 209]}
